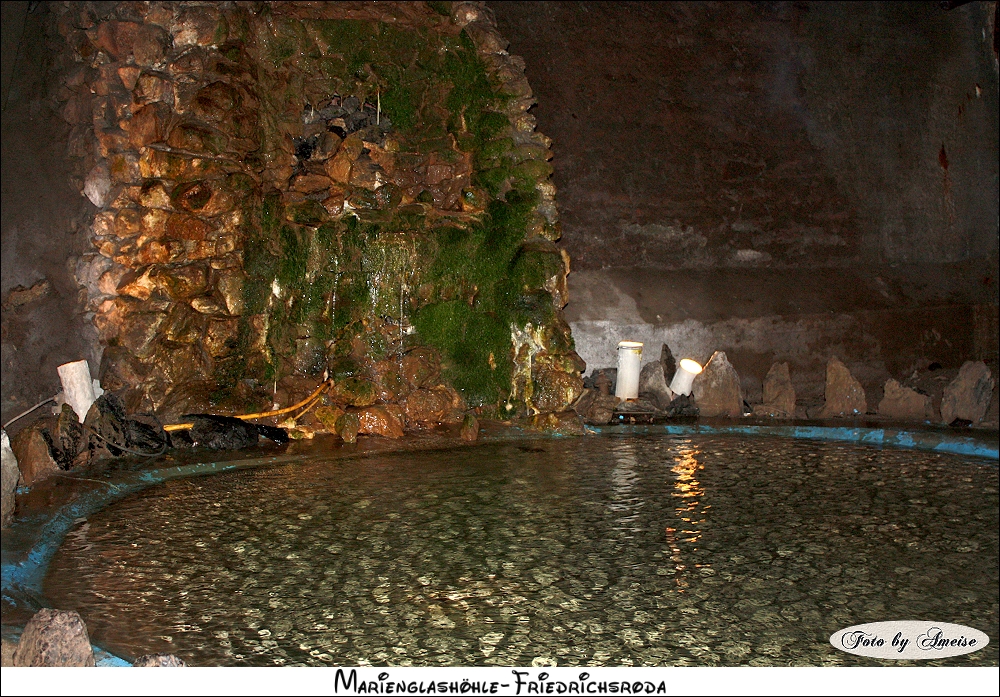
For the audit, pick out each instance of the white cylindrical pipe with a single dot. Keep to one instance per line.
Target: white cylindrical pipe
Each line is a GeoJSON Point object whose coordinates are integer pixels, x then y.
{"type": "Point", "coordinates": [629, 366]}
{"type": "Point", "coordinates": [684, 377]}
{"type": "Point", "coordinates": [78, 388]}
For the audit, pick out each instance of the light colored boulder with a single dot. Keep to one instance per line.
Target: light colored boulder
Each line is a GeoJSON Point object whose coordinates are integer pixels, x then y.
{"type": "Point", "coordinates": [779, 394]}
{"type": "Point", "coordinates": [901, 402]}
{"type": "Point", "coordinates": [8, 482]}
{"type": "Point", "coordinates": [159, 660]}
{"type": "Point", "coordinates": [844, 394]}
{"type": "Point", "coordinates": [968, 395]}
{"type": "Point", "coordinates": [55, 639]}
{"type": "Point", "coordinates": [716, 389]}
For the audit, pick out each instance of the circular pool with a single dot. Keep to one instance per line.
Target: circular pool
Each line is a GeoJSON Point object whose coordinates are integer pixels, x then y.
{"type": "Point", "coordinates": [618, 550]}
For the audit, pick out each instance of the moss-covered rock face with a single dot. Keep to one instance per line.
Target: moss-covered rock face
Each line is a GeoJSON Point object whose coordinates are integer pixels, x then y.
{"type": "Point", "coordinates": [350, 184]}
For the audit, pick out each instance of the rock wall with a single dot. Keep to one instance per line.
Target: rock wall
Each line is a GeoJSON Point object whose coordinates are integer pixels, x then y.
{"type": "Point", "coordinates": [780, 181]}
{"type": "Point", "coordinates": [44, 222]}
{"type": "Point", "coordinates": [290, 191]}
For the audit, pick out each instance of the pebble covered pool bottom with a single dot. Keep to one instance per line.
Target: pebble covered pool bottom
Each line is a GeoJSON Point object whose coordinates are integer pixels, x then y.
{"type": "Point", "coordinates": [618, 551]}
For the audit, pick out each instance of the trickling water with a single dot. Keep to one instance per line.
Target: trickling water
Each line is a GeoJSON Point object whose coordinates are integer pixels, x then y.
{"type": "Point", "coordinates": [587, 551]}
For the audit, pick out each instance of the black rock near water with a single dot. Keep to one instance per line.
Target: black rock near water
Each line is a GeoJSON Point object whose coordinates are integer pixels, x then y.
{"type": "Point", "coordinates": [230, 433]}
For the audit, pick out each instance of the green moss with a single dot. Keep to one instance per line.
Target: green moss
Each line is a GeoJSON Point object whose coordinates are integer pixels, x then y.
{"type": "Point", "coordinates": [463, 286]}
{"type": "Point", "coordinates": [467, 339]}
{"type": "Point", "coordinates": [489, 258]}
{"type": "Point", "coordinates": [307, 213]}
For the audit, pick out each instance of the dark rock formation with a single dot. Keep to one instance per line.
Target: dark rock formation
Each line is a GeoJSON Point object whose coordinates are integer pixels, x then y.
{"type": "Point", "coordinates": [229, 433]}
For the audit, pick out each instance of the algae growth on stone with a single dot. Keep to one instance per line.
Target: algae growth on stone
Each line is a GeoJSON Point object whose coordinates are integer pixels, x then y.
{"type": "Point", "coordinates": [351, 183]}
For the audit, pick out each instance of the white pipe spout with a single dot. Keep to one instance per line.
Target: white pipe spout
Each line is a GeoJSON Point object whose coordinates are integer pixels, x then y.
{"type": "Point", "coordinates": [629, 367]}
{"type": "Point", "coordinates": [684, 377]}
{"type": "Point", "coordinates": [78, 387]}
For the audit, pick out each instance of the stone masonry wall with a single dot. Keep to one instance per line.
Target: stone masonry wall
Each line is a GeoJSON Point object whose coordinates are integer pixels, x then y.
{"type": "Point", "coordinates": [292, 191]}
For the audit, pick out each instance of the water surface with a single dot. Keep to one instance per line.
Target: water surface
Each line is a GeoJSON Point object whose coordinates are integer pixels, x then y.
{"type": "Point", "coordinates": [634, 550]}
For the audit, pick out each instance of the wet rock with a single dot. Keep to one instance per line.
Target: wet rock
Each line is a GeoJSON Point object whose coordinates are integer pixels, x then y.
{"type": "Point", "coordinates": [115, 38]}
{"type": "Point", "coordinates": [779, 394]}
{"type": "Point", "coordinates": [420, 367]}
{"type": "Point", "coordinates": [151, 87]}
{"type": "Point", "coordinates": [230, 433]}
{"type": "Point", "coordinates": [716, 389]}
{"type": "Point", "coordinates": [230, 286]}
{"type": "Point", "coordinates": [146, 434]}
{"type": "Point", "coordinates": [34, 458]}
{"type": "Point", "coordinates": [310, 357]}
{"type": "Point", "coordinates": [555, 390]}
{"type": "Point", "coordinates": [311, 183]}
{"type": "Point", "coordinates": [98, 186]}
{"type": "Point", "coordinates": [347, 427]}
{"type": "Point", "coordinates": [339, 167]}
{"type": "Point", "coordinates": [139, 331]}
{"type": "Point", "coordinates": [423, 406]}
{"type": "Point", "coordinates": [187, 227]}
{"type": "Point", "coordinates": [681, 406]}
{"type": "Point", "coordinates": [390, 386]}
{"type": "Point", "coordinates": [968, 395]}
{"type": "Point", "coordinates": [652, 381]}
{"type": "Point", "coordinates": [8, 481]}
{"type": "Point", "coordinates": [328, 416]}
{"type": "Point", "coordinates": [355, 391]}
{"type": "Point", "coordinates": [844, 394]}
{"type": "Point", "coordinates": [564, 423]}
{"type": "Point", "coordinates": [159, 660]}
{"type": "Point", "coordinates": [146, 125]}
{"type": "Point", "coordinates": [595, 407]}
{"type": "Point", "coordinates": [470, 428]}
{"type": "Point", "coordinates": [899, 402]}
{"type": "Point", "coordinates": [120, 369]}
{"type": "Point", "coordinates": [55, 639]}
{"type": "Point", "coordinates": [106, 427]}
{"type": "Point", "coordinates": [216, 101]}
{"type": "Point", "coordinates": [378, 421]}
{"type": "Point", "coordinates": [68, 438]}
{"type": "Point", "coordinates": [602, 379]}
{"type": "Point", "coordinates": [669, 364]}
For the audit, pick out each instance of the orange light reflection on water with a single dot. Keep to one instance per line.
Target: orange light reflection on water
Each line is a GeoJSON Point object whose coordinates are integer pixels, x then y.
{"type": "Point", "coordinates": [691, 507]}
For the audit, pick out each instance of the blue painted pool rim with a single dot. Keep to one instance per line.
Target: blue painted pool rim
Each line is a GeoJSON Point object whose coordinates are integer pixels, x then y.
{"type": "Point", "coordinates": [24, 565]}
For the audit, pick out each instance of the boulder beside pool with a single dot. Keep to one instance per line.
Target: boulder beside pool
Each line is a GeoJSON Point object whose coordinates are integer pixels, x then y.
{"type": "Point", "coordinates": [968, 396]}
{"type": "Point", "coordinates": [844, 394]}
{"type": "Point", "coordinates": [54, 639]}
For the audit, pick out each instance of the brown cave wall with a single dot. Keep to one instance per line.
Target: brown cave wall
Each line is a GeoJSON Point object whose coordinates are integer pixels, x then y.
{"type": "Point", "coordinates": [723, 167]}
{"type": "Point", "coordinates": [289, 191]}
{"type": "Point", "coordinates": [44, 222]}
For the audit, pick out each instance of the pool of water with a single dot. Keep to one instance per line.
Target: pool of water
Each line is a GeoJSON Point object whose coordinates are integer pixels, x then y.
{"type": "Point", "coordinates": [629, 550]}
